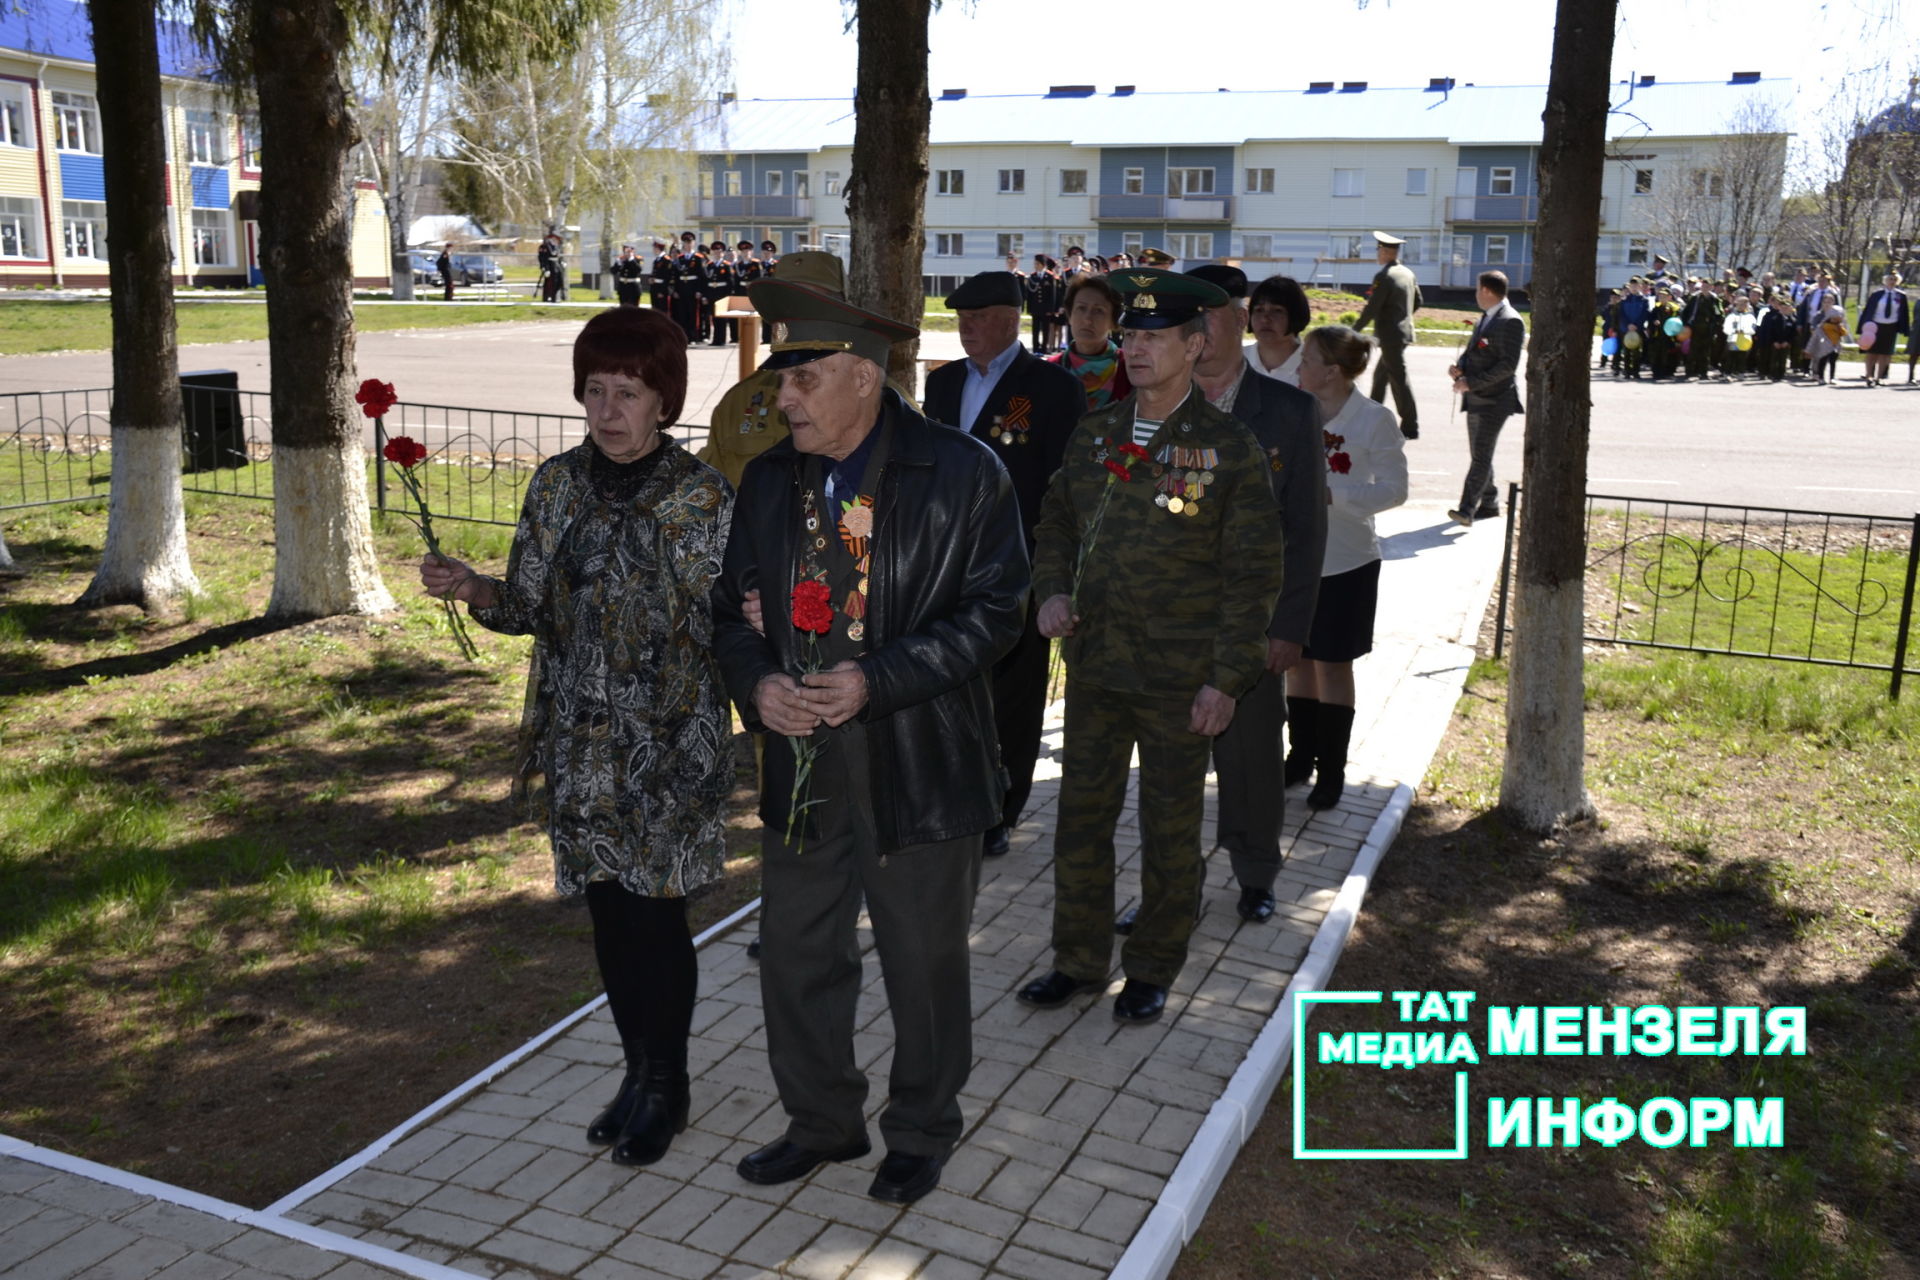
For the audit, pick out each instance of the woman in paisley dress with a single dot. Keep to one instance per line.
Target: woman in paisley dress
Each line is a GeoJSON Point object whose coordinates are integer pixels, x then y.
{"type": "Point", "coordinates": [626, 750]}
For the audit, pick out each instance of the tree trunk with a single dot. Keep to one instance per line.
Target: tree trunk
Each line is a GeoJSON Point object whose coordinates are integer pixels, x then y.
{"type": "Point", "coordinates": [6, 556]}
{"type": "Point", "coordinates": [1544, 781]}
{"type": "Point", "coordinates": [886, 193]}
{"type": "Point", "coordinates": [324, 560]}
{"type": "Point", "coordinates": [145, 560]}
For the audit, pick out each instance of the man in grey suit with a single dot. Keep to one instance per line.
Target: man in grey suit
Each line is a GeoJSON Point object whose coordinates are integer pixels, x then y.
{"type": "Point", "coordinates": [1487, 380]}
{"type": "Point", "coordinates": [1286, 422]}
{"type": "Point", "coordinates": [1390, 307]}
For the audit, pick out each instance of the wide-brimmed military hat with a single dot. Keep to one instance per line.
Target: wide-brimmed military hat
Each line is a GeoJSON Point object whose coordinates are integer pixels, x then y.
{"type": "Point", "coordinates": [988, 289]}
{"type": "Point", "coordinates": [820, 324]}
{"type": "Point", "coordinates": [1232, 280]}
{"type": "Point", "coordinates": [813, 269]}
{"type": "Point", "coordinates": [1154, 258]}
{"type": "Point", "coordinates": [1157, 299]}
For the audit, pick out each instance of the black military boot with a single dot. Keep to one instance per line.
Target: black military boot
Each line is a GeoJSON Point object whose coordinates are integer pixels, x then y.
{"type": "Point", "coordinates": [607, 1126]}
{"type": "Point", "coordinates": [664, 1102]}
{"type": "Point", "coordinates": [1334, 729]}
{"type": "Point", "coordinates": [1302, 719]}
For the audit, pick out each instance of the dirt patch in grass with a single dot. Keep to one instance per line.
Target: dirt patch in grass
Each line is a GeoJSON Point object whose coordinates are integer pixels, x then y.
{"type": "Point", "coordinates": [262, 892]}
{"type": "Point", "coordinates": [1737, 862]}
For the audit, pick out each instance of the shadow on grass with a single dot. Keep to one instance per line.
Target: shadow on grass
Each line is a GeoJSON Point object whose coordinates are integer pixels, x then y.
{"type": "Point", "coordinates": [73, 624]}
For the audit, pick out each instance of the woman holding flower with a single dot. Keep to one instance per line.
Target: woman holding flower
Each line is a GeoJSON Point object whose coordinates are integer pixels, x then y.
{"type": "Point", "coordinates": [1366, 474]}
{"type": "Point", "coordinates": [626, 740]}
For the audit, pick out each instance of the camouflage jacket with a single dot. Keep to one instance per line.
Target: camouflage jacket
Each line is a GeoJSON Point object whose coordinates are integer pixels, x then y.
{"type": "Point", "coordinates": [746, 423]}
{"type": "Point", "coordinates": [1169, 600]}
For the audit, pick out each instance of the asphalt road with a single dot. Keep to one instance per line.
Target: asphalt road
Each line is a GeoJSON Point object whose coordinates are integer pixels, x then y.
{"type": "Point", "coordinates": [1846, 449]}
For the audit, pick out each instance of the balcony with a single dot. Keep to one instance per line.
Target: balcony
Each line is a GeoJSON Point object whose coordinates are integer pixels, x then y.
{"type": "Point", "coordinates": [1504, 209]}
{"type": "Point", "coordinates": [751, 208]}
{"type": "Point", "coordinates": [1163, 208]}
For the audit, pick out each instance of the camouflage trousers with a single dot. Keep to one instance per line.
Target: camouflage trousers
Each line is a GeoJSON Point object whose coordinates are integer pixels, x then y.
{"type": "Point", "coordinates": [1102, 728]}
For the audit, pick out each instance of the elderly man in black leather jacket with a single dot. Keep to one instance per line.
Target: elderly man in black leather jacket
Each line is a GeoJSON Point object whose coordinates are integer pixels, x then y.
{"type": "Point", "coordinates": [882, 770]}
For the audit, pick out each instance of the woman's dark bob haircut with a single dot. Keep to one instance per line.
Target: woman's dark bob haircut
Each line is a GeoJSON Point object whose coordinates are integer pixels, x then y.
{"type": "Point", "coordinates": [640, 343]}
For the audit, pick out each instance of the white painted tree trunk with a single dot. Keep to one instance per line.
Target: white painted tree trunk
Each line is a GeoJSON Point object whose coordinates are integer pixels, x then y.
{"type": "Point", "coordinates": [145, 561]}
{"type": "Point", "coordinates": [6, 557]}
{"type": "Point", "coordinates": [1543, 783]}
{"type": "Point", "coordinates": [324, 562]}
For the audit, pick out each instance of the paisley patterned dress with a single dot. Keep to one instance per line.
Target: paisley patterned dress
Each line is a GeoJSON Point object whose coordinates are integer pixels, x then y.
{"type": "Point", "coordinates": [625, 745]}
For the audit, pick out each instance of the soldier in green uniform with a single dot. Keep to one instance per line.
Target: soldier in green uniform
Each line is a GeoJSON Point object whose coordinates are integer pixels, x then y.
{"type": "Point", "coordinates": [1390, 307]}
{"type": "Point", "coordinates": [1159, 556]}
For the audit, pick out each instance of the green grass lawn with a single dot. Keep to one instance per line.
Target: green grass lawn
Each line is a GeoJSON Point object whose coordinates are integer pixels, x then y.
{"type": "Point", "coordinates": [27, 327]}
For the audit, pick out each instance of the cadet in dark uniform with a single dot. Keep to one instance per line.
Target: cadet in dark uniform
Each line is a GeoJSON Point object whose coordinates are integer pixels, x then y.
{"type": "Point", "coordinates": [444, 265]}
{"type": "Point", "coordinates": [1389, 309]}
{"type": "Point", "coordinates": [627, 273]}
{"type": "Point", "coordinates": [1044, 292]}
{"type": "Point", "coordinates": [722, 282]}
{"type": "Point", "coordinates": [1159, 559]}
{"type": "Point", "coordinates": [660, 278]}
{"type": "Point", "coordinates": [770, 252]}
{"type": "Point", "coordinates": [747, 268]}
{"type": "Point", "coordinates": [1025, 408]}
{"type": "Point", "coordinates": [689, 278]}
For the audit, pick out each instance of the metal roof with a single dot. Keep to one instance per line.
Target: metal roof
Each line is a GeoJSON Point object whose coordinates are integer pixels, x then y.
{"type": "Point", "coordinates": [60, 29]}
{"type": "Point", "coordinates": [1464, 115]}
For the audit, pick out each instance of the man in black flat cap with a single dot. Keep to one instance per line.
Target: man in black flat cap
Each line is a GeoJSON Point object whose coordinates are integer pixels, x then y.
{"type": "Point", "coordinates": [1390, 306]}
{"type": "Point", "coordinates": [1158, 561]}
{"type": "Point", "coordinates": [1025, 409]}
{"type": "Point", "coordinates": [890, 555]}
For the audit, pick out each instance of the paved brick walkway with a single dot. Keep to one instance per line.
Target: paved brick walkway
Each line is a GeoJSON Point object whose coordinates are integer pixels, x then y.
{"type": "Point", "coordinates": [1076, 1123]}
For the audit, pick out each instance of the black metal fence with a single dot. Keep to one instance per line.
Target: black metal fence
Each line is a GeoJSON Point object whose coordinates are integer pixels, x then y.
{"type": "Point", "coordinates": [1823, 587]}
{"type": "Point", "coordinates": [56, 447]}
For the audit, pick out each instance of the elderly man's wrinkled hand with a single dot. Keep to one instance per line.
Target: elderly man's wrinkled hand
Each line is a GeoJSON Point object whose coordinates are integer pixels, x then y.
{"type": "Point", "coordinates": [836, 695]}
{"type": "Point", "coordinates": [1057, 617]}
{"type": "Point", "coordinates": [783, 707]}
{"type": "Point", "coordinates": [1212, 712]}
{"type": "Point", "coordinates": [750, 607]}
{"type": "Point", "coordinates": [1283, 656]}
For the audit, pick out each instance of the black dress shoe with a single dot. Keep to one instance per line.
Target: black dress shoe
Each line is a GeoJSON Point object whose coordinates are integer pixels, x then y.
{"type": "Point", "coordinates": [661, 1114]}
{"type": "Point", "coordinates": [784, 1161]}
{"type": "Point", "coordinates": [903, 1178]}
{"type": "Point", "coordinates": [1255, 904]}
{"type": "Point", "coordinates": [1139, 1002]}
{"type": "Point", "coordinates": [607, 1126]}
{"type": "Point", "coordinates": [1123, 923]}
{"type": "Point", "coordinates": [997, 843]}
{"type": "Point", "coordinates": [1056, 989]}
{"type": "Point", "coordinates": [753, 948]}
{"type": "Point", "coordinates": [1486, 513]}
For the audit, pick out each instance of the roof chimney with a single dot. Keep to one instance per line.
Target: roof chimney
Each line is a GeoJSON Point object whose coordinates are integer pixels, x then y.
{"type": "Point", "coordinates": [1440, 84]}
{"type": "Point", "coordinates": [952, 95]}
{"type": "Point", "coordinates": [1070, 91]}
{"type": "Point", "coordinates": [1645, 81]}
{"type": "Point", "coordinates": [1354, 86]}
{"type": "Point", "coordinates": [1122, 90]}
{"type": "Point", "coordinates": [1320, 86]}
{"type": "Point", "coordinates": [1745, 77]}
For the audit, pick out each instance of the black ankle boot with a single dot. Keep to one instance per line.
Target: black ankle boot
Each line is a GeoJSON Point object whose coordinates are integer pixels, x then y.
{"type": "Point", "coordinates": [609, 1124]}
{"type": "Point", "coordinates": [1303, 716]}
{"type": "Point", "coordinates": [664, 1101]}
{"type": "Point", "coordinates": [1335, 729]}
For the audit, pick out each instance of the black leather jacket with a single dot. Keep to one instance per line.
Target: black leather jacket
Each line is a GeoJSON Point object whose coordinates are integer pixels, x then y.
{"type": "Point", "coordinates": [948, 600]}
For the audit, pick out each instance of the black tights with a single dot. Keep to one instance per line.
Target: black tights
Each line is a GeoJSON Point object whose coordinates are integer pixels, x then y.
{"type": "Point", "coordinates": [648, 966]}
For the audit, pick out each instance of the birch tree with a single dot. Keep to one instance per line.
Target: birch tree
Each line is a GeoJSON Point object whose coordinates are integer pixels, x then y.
{"type": "Point", "coordinates": [1750, 158]}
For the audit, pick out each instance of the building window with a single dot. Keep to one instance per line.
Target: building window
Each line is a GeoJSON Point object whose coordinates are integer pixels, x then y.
{"type": "Point", "coordinates": [1259, 182]}
{"type": "Point", "coordinates": [16, 121]}
{"type": "Point", "coordinates": [212, 245]}
{"type": "Point", "coordinates": [800, 184]}
{"type": "Point", "coordinates": [1189, 245]}
{"type": "Point", "coordinates": [1500, 180]}
{"type": "Point", "coordinates": [1643, 182]}
{"type": "Point", "coordinates": [1072, 240]}
{"type": "Point", "coordinates": [1132, 242]}
{"type": "Point", "coordinates": [1257, 246]}
{"type": "Point", "coordinates": [1496, 251]}
{"type": "Point", "coordinates": [1349, 246]}
{"type": "Point", "coordinates": [1073, 182]}
{"type": "Point", "coordinates": [1013, 182]}
{"type": "Point", "coordinates": [249, 126]}
{"type": "Point", "coordinates": [1189, 182]}
{"type": "Point", "coordinates": [950, 182]}
{"type": "Point", "coordinates": [205, 143]}
{"type": "Point", "coordinates": [706, 184]}
{"type": "Point", "coordinates": [1410, 252]}
{"type": "Point", "coordinates": [1709, 183]}
{"type": "Point", "coordinates": [76, 123]}
{"type": "Point", "coordinates": [1462, 250]}
{"type": "Point", "coordinates": [1637, 251]}
{"type": "Point", "coordinates": [830, 179]}
{"type": "Point", "coordinates": [1133, 182]}
{"type": "Point", "coordinates": [1011, 244]}
{"type": "Point", "coordinates": [1349, 182]}
{"type": "Point", "coordinates": [19, 227]}
{"type": "Point", "coordinates": [730, 182]}
{"type": "Point", "coordinates": [949, 244]}
{"type": "Point", "coordinates": [84, 228]}
{"type": "Point", "coordinates": [1416, 182]}
{"type": "Point", "coordinates": [776, 183]}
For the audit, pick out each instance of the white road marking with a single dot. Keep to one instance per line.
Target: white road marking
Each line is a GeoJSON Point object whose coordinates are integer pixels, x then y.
{"type": "Point", "coordinates": [1834, 488]}
{"type": "Point", "coordinates": [1626, 480]}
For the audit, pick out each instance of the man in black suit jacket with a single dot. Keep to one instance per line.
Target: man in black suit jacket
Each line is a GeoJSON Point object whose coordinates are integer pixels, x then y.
{"type": "Point", "coordinates": [1286, 422]}
{"type": "Point", "coordinates": [1025, 408]}
{"type": "Point", "coordinates": [1487, 378]}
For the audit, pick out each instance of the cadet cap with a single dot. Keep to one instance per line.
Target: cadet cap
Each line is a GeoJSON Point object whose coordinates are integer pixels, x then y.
{"type": "Point", "coordinates": [988, 289]}
{"type": "Point", "coordinates": [1154, 258]}
{"type": "Point", "coordinates": [1381, 237]}
{"type": "Point", "coordinates": [1156, 299]}
{"type": "Point", "coordinates": [819, 325]}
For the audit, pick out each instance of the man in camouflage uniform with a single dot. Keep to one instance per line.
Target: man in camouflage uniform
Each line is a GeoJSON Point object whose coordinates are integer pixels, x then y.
{"type": "Point", "coordinates": [1159, 557]}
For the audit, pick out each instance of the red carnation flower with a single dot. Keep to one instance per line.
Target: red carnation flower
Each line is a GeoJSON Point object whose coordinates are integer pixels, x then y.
{"type": "Point", "coordinates": [376, 397]}
{"type": "Point", "coordinates": [404, 450]}
{"type": "Point", "coordinates": [812, 607]}
{"type": "Point", "coordinates": [1339, 462]}
{"type": "Point", "coordinates": [1118, 469]}
{"type": "Point", "coordinates": [1134, 450]}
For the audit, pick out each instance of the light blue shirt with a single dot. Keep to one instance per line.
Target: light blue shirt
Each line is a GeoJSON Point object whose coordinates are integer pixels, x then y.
{"type": "Point", "coordinates": [973, 396]}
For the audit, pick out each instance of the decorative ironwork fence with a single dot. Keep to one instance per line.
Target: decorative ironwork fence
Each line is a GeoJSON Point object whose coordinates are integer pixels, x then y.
{"type": "Point", "coordinates": [56, 447]}
{"type": "Point", "coordinates": [1824, 587]}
